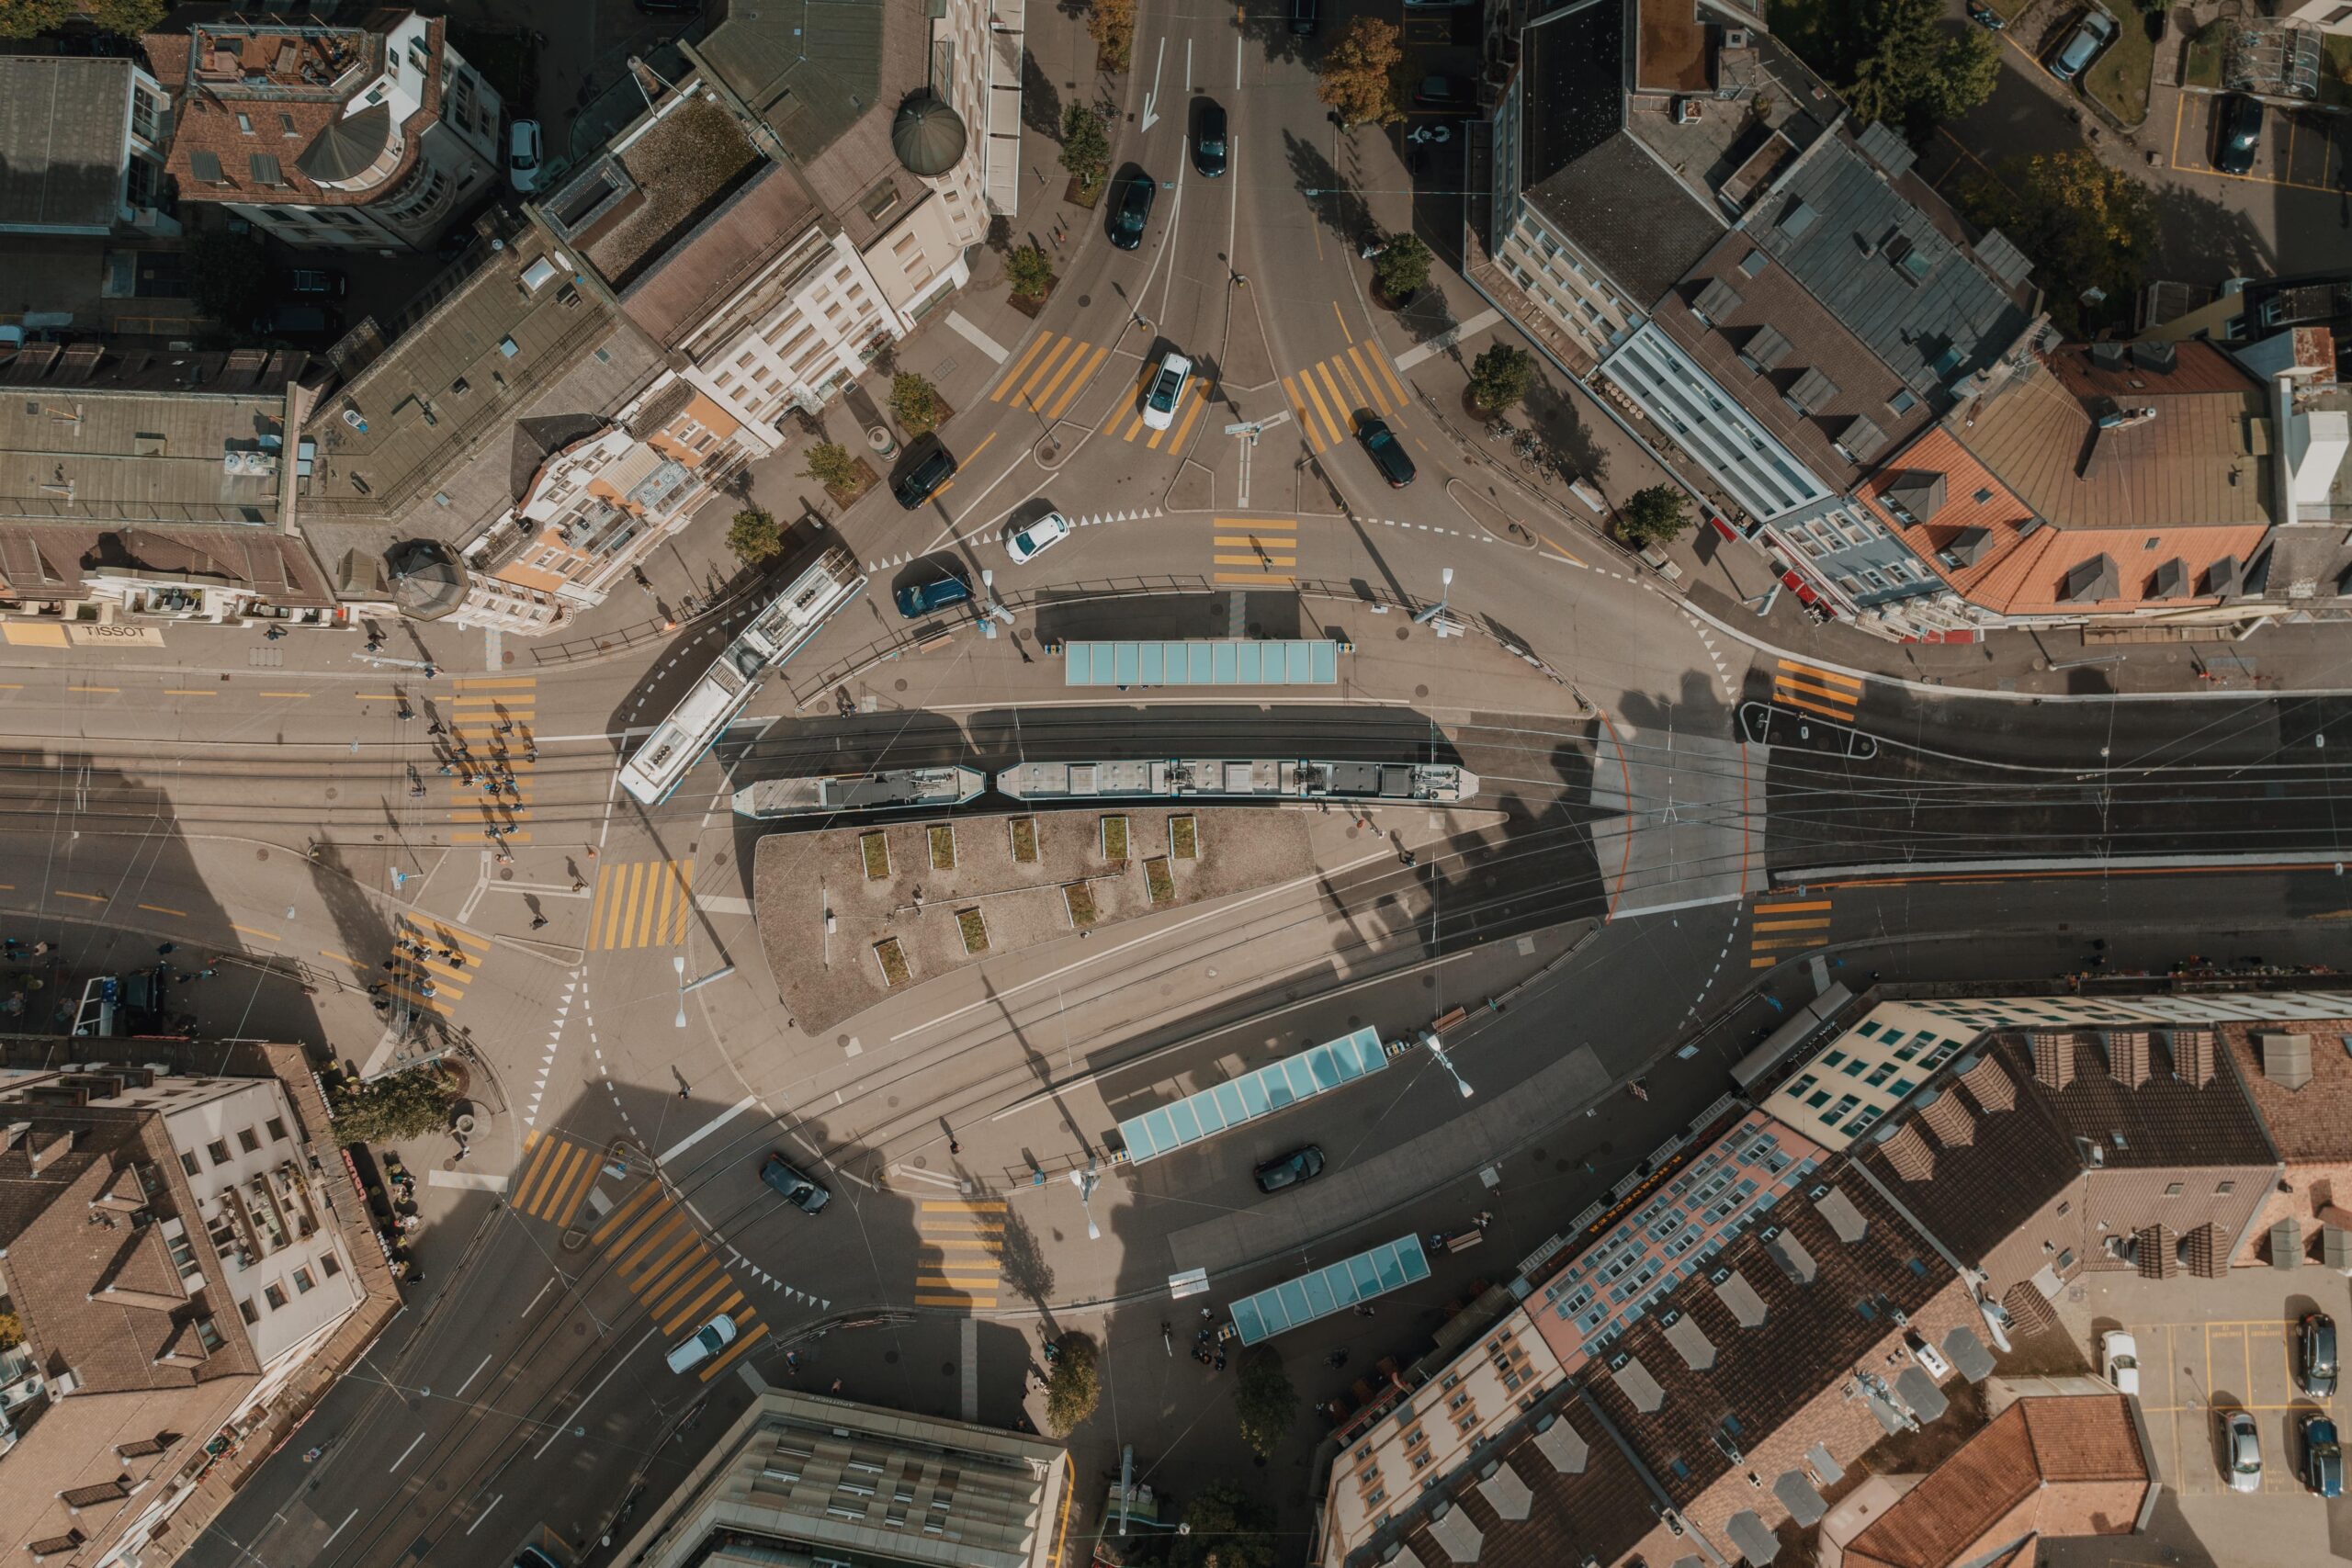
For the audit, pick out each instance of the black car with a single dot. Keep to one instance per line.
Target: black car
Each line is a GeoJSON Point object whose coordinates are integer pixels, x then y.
{"type": "Point", "coordinates": [801, 1190]}
{"type": "Point", "coordinates": [1208, 140]}
{"type": "Point", "coordinates": [316, 280]}
{"type": "Point", "coordinates": [924, 478]}
{"type": "Point", "coordinates": [2237, 133]}
{"type": "Point", "coordinates": [1290, 1169]}
{"type": "Point", "coordinates": [2315, 1355]}
{"type": "Point", "coordinates": [1442, 93]}
{"type": "Point", "coordinates": [1387, 453]}
{"type": "Point", "coordinates": [916, 600]}
{"type": "Point", "coordinates": [1135, 211]}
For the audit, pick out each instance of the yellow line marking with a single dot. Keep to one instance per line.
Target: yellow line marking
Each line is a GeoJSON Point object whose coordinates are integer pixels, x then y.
{"type": "Point", "coordinates": [341, 957]}
{"type": "Point", "coordinates": [486, 683]}
{"type": "Point", "coordinates": [658, 1286]}
{"type": "Point", "coordinates": [298, 696]}
{"type": "Point", "coordinates": [1342, 321]}
{"type": "Point", "coordinates": [1307, 379]}
{"type": "Point", "coordinates": [688, 1242]}
{"type": "Point", "coordinates": [925, 1301]}
{"type": "Point", "coordinates": [1792, 925]}
{"type": "Point", "coordinates": [1021, 365]}
{"type": "Point", "coordinates": [1184, 428]}
{"type": "Point", "coordinates": [1047, 364]}
{"type": "Point", "coordinates": [943, 1282]}
{"type": "Point", "coordinates": [1269, 558]}
{"type": "Point", "coordinates": [1355, 393]}
{"type": "Point", "coordinates": [1779, 943]}
{"type": "Point", "coordinates": [1389, 372]}
{"type": "Point", "coordinates": [964, 1205]}
{"type": "Point", "coordinates": [1379, 398]}
{"type": "Point", "coordinates": [164, 909]}
{"type": "Point", "coordinates": [663, 1300]}
{"type": "Point", "coordinates": [549, 1155]}
{"type": "Point", "coordinates": [1762, 962]}
{"type": "Point", "coordinates": [91, 897]}
{"type": "Point", "coordinates": [985, 440]}
{"type": "Point", "coordinates": [1790, 683]}
{"type": "Point", "coordinates": [375, 696]}
{"type": "Point", "coordinates": [94, 688]}
{"type": "Point", "coordinates": [617, 1215]}
{"type": "Point", "coordinates": [1793, 908]}
{"type": "Point", "coordinates": [1348, 411]}
{"type": "Point", "coordinates": [1078, 385]}
{"type": "Point", "coordinates": [646, 1247]}
{"type": "Point", "coordinates": [1257, 522]}
{"type": "Point", "coordinates": [687, 1310]}
{"type": "Point", "coordinates": [1812, 707]}
{"type": "Point", "coordinates": [249, 931]}
{"type": "Point", "coordinates": [742, 1343]}
{"type": "Point", "coordinates": [1828, 675]}
{"type": "Point", "coordinates": [1119, 410]}
{"type": "Point", "coordinates": [1306, 421]}
{"type": "Point", "coordinates": [191, 692]}
{"type": "Point", "coordinates": [652, 1213]}
{"type": "Point", "coordinates": [1256, 580]}
{"type": "Point", "coordinates": [1047, 391]}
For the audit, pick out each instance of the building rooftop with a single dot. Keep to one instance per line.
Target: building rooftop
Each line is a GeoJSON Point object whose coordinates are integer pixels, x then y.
{"type": "Point", "coordinates": [64, 133]}
{"type": "Point", "coordinates": [2063, 1465]}
{"type": "Point", "coordinates": [99, 456]}
{"type": "Point", "coordinates": [1880, 260]}
{"type": "Point", "coordinates": [858, 175]}
{"type": "Point", "coordinates": [1719, 102]}
{"type": "Point", "coordinates": [695, 276]}
{"type": "Point", "coordinates": [2309, 1121]}
{"type": "Point", "coordinates": [685, 159]}
{"type": "Point", "coordinates": [1568, 1485]}
{"type": "Point", "coordinates": [810, 84]}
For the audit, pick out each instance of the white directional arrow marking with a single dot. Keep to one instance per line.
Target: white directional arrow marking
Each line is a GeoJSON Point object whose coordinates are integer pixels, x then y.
{"type": "Point", "coordinates": [1150, 115]}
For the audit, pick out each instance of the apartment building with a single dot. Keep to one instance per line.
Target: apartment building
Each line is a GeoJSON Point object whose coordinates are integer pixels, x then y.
{"type": "Point", "coordinates": [82, 148]}
{"type": "Point", "coordinates": [367, 136]}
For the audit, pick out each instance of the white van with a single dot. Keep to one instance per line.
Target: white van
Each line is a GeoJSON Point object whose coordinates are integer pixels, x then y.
{"type": "Point", "coordinates": [708, 1341]}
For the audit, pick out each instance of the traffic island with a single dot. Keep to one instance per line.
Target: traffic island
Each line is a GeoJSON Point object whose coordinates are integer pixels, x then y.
{"type": "Point", "coordinates": [865, 938]}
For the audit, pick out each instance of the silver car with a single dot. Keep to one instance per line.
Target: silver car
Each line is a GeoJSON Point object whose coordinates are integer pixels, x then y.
{"type": "Point", "coordinates": [2242, 1444]}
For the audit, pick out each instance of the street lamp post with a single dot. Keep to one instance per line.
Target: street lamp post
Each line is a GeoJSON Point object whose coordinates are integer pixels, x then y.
{"type": "Point", "coordinates": [1423, 617]}
{"type": "Point", "coordinates": [993, 609]}
{"type": "Point", "coordinates": [1437, 1052]}
{"type": "Point", "coordinates": [1084, 1180]}
{"type": "Point", "coordinates": [678, 963]}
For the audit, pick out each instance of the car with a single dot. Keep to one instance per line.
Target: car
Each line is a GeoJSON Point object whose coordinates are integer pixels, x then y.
{"type": "Point", "coordinates": [1167, 393]}
{"type": "Point", "coordinates": [2315, 1355]}
{"type": "Point", "coordinates": [925, 476]}
{"type": "Point", "coordinates": [1037, 537]}
{"type": "Point", "coordinates": [2241, 1451]}
{"type": "Point", "coordinates": [2119, 1360]}
{"type": "Point", "coordinates": [524, 150]}
{"type": "Point", "coordinates": [1135, 211]}
{"type": "Point", "coordinates": [2086, 43]}
{"type": "Point", "coordinates": [669, 8]}
{"type": "Point", "coordinates": [2323, 1456]}
{"type": "Point", "coordinates": [1984, 16]}
{"type": "Point", "coordinates": [315, 280]}
{"type": "Point", "coordinates": [800, 1189]}
{"type": "Point", "coordinates": [1305, 16]}
{"type": "Point", "coordinates": [1442, 93]}
{"type": "Point", "coordinates": [706, 1342]}
{"type": "Point", "coordinates": [1208, 140]}
{"type": "Point", "coordinates": [1387, 453]}
{"type": "Point", "coordinates": [532, 1557]}
{"type": "Point", "coordinates": [917, 599]}
{"type": "Point", "coordinates": [2237, 133]}
{"type": "Point", "coordinates": [1290, 1169]}
{"type": "Point", "coordinates": [288, 319]}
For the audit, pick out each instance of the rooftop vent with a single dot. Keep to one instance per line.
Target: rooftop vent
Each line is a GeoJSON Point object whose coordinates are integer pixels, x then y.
{"type": "Point", "coordinates": [2109, 355]}
{"type": "Point", "coordinates": [2159, 356]}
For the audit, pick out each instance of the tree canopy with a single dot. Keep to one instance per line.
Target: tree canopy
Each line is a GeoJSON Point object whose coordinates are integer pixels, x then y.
{"type": "Point", "coordinates": [1112, 25]}
{"type": "Point", "coordinates": [916, 402]}
{"type": "Point", "coordinates": [1653, 516]}
{"type": "Point", "coordinates": [1073, 1387]}
{"type": "Point", "coordinates": [1500, 376]}
{"type": "Point", "coordinates": [1265, 1403]}
{"type": "Point", "coordinates": [754, 536]}
{"type": "Point", "coordinates": [1358, 77]}
{"type": "Point", "coordinates": [1086, 146]}
{"type": "Point", "coordinates": [1403, 267]}
{"type": "Point", "coordinates": [227, 277]}
{"type": "Point", "coordinates": [2086, 225]}
{"type": "Point", "coordinates": [412, 1104]}
{"type": "Point", "coordinates": [1228, 1528]}
{"type": "Point", "coordinates": [25, 19]}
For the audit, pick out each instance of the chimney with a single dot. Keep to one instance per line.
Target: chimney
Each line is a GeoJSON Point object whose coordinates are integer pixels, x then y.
{"type": "Point", "coordinates": [2194, 1056]}
{"type": "Point", "coordinates": [1990, 1085]}
{"type": "Point", "coordinates": [2054, 1058]}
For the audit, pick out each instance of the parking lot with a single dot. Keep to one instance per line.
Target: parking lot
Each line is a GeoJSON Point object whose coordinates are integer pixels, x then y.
{"type": "Point", "coordinates": [2298, 150]}
{"type": "Point", "coordinates": [2192, 1375]}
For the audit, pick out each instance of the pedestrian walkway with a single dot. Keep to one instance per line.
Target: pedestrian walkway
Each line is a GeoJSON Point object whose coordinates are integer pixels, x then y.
{"type": "Point", "coordinates": [1196, 398]}
{"type": "Point", "coordinates": [1042, 379]}
{"type": "Point", "coordinates": [1789, 925]}
{"type": "Point", "coordinates": [434, 979]}
{"type": "Point", "coordinates": [1823, 693]}
{"type": "Point", "coordinates": [1326, 395]}
{"type": "Point", "coordinates": [557, 1173]}
{"type": "Point", "coordinates": [959, 1243]}
{"type": "Point", "coordinates": [1267, 545]}
{"type": "Point", "coordinates": [667, 1265]}
{"type": "Point", "coordinates": [487, 756]}
{"type": "Point", "coordinates": [642, 904]}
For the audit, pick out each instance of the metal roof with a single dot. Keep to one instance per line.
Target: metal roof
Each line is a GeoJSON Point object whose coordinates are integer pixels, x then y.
{"type": "Point", "coordinates": [1372, 1272]}
{"type": "Point", "coordinates": [63, 141]}
{"type": "Point", "coordinates": [1215, 662]}
{"type": "Point", "coordinates": [810, 83]}
{"type": "Point", "coordinates": [1272, 1088]}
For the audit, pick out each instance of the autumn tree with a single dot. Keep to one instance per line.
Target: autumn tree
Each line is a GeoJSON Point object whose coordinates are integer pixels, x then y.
{"type": "Point", "coordinates": [127, 18]}
{"type": "Point", "coordinates": [754, 536]}
{"type": "Point", "coordinates": [25, 19]}
{"type": "Point", "coordinates": [1086, 147]}
{"type": "Point", "coordinates": [916, 402]}
{"type": "Point", "coordinates": [1359, 74]}
{"type": "Point", "coordinates": [2087, 226]}
{"type": "Point", "coordinates": [1653, 516]}
{"type": "Point", "coordinates": [1074, 1386]}
{"type": "Point", "coordinates": [1403, 267]}
{"type": "Point", "coordinates": [1112, 25]}
{"type": "Point", "coordinates": [831, 464]}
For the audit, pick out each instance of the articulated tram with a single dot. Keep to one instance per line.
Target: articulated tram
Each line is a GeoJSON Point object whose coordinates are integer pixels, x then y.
{"type": "Point", "coordinates": [1117, 779]}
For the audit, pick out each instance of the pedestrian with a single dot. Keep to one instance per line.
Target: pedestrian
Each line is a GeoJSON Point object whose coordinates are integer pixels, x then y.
{"type": "Point", "coordinates": [591, 852]}
{"type": "Point", "coordinates": [428, 987]}
{"type": "Point", "coordinates": [953, 1147]}
{"type": "Point", "coordinates": [792, 1360]}
{"type": "Point", "coordinates": [538, 920]}
{"type": "Point", "coordinates": [163, 947]}
{"type": "Point", "coordinates": [416, 791]}
{"type": "Point", "coordinates": [837, 1386]}
{"type": "Point", "coordinates": [205, 973]}
{"type": "Point", "coordinates": [682, 1091]}
{"type": "Point", "coordinates": [448, 769]}
{"type": "Point", "coordinates": [1363, 1309]}
{"type": "Point", "coordinates": [407, 713]}
{"type": "Point", "coordinates": [578, 885]}
{"type": "Point", "coordinates": [435, 727]}
{"type": "Point", "coordinates": [430, 671]}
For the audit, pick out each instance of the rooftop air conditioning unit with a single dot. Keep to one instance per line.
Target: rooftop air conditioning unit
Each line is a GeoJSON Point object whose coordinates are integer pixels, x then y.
{"type": "Point", "coordinates": [1737, 37]}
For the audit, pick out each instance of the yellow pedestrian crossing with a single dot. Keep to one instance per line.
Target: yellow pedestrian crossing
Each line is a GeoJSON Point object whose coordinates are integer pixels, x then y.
{"type": "Point", "coordinates": [1327, 395]}
{"type": "Point", "coordinates": [1816, 690]}
{"type": "Point", "coordinates": [1196, 398]}
{"type": "Point", "coordinates": [1784, 926]}
{"type": "Point", "coordinates": [432, 963]}
{"type": "Point", "coordinates": [1049, 374]}
{"type": "Point", "coordinates": [557, 1173]}
{"type": "Point", "coordinates": [1267, 545]}
{"type": "Point", "coordinates": [642, 904]}
{"type": "Point", "coordinates": [958, 1242]}
{"type": "Point", "coordinates": [489, 756]}
{"type": "Point", "coordinates": [664, 1258]}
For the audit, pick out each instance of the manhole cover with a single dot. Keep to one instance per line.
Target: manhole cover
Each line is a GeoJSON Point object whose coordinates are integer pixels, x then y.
{"type": "Point", "coordinates": [450, 1164]}
{"type": "Point", "coordinates": [506, 874]}
{"type": "Point", "coordinates": [1083, 300]}
{"type": "Point", "coordinates": [1420, 690]}
{"type": "Point", "coordinates": [947, 1368]}
{"type": "Point", "coordinates": [890, 1358]}
{"type": "Point", "coordinates": [901, 685]}
{"type": "Point", "coordinates": [1428, 982]}
{"type": "Point", "coordinates": [333, 793]}
{"type": "Point", "coordinates": [1402, 633]}
{"type": "Point", "coordinates": [923, 1162]}
{"type": "Point", "coordinates": [261, 854]}
{"type": "Point", "coordinates": [894, 1103]}
{"type": "Point", "coordinates": [718, 859]}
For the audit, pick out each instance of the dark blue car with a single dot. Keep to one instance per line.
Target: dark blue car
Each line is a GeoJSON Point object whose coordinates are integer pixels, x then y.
{"type": "Point", "coordinates": [916, 600]}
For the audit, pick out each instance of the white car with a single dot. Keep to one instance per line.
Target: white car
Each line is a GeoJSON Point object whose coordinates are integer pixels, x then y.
{"type": "Point", "coordinates": [1166, 391]}
{"type": "Point", "coordinates": [2244, 1448]}
{"type": "Point", "coordinates": [2118, 1357]}
{"type": "Point", "coordinates": [1043, 534]}
{"type": "Point", "coordinates": [708, 1341]}
{"type": "Point", "coordinates": [523, 153]}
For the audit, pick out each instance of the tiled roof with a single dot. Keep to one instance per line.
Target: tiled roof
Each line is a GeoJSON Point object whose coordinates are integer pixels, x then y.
{"type": "Point", "coordinates": [2059, 1466]}
{"type": "Point", "coordinates": [63, 138]}
{"type": "Point", "coordinates": [2310, 1123]}
{"type": "Point", "coordinates": [1601, 1505]}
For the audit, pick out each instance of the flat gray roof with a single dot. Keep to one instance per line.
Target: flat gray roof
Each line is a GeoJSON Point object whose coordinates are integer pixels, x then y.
{"type": "Point", "coordinates": [64, 134]}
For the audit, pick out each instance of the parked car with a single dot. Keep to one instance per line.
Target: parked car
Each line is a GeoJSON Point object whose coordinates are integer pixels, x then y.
{"type": "Point", "coordinates": [2086, 43]}
{"type": "Point", "coordinates": [1387, 453]}
{"type": "Point", "coordinates": [288, 319]}
{"type": "Point", "coordinates": [2237, 133]}
{"type": "Point", "coordinates": [916, 600]}
{"type": "Point", "coordinates": [1037, 537]}
{"type": "Point", "coordinates": [1208, 140]}
{"type": "Point", "coordinates": [1290, 1169]}
{"type": "Point", "coordinates": [1984, 16]}
{"type": "Point", "coordinates": [1305, 16]}
{"type": "Point", "coordinates": [925, 476]}
{"type": "Point", "coordinates": [669, 8]}
{"type": "Point", "coordinates": [2315, 1355]}
{"type": "Point", "coordinates": [524, 151]}
{"type": "Point", "coordinates": [2323, 1456]}
{"type": "Point", "coordinates": [1167, 393]}
{"type": "Point", "coordinates": [800, 1188]}
{"type": "Point", "coordinates": [2241, 1449]}
{"type": "Point", "coordinates": [2119, 1360]}
{"type": "Point", "coordinates": [1442, 93]}
{"type": "Point", "coordinates": [1135, 211]}
{"type": "Point", "coordinates": [532, 1557]}
{"type": "Point", "coordinates": [316, 280]}
{"type": "Point", "coordinates": [708, 1341]}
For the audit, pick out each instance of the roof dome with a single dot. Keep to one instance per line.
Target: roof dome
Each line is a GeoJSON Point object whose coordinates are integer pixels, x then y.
{"type": "Point", "coordinates": [427, 581]}
{"type": "Point", "coordinates": [928, 136]}
{"type": "Point", "coordinates": [348, 146]}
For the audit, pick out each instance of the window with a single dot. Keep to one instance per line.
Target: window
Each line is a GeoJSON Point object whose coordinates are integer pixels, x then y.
{"type": "Point", "coordinates": [2223, 1190]}
{"type": "Point", "coordinates": [1832, 1059]}
{"type": "Point", "coordinates": [2172, 1189]}
{"type": "Point", "coordinates": [304, 1283]}
{"type": "Point", "coordinates": [244, 125]}
{"type": "Point", "coordinates": [331, 1266]}
{"type": "Point", "coordinates": [208, 1333]}
{"type": "Point", "coordinates": [248, 1140]}
{"type": "Point", "coordinates": [275, 1295]}
{"type": "Point", "coordinates": [187, 1163]}
{"type": "Point", "coordinates": [218, 1150]}
{"type": "Point", "coordinates": [246, 1310]}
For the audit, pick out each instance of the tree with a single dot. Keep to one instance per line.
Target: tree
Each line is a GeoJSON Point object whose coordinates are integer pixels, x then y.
{"type": "Point", "coordinates": [1228, 1528]}
{"type": "Point", "coordinates": [1403, 267]}
{"type": "Point", "coordinates": [1032, 272]}
{"type": "Point", "coordinates": [1074, 1387]}
{"type": "Point", "coordinates": [1265, 1403]}
{"type": "Point", "coordinates": [1500, 376]}
{"type": "Point", "coordinates": [754, 535]}
{"type": "Point", "coordinates": [406, 1105]}
{"type": "Point", "coordinates": [1653, 516]}
{"type": "Point", "coordinates": [1916, 71]}
{"type": "Point", "coordinates": [12, 1332]}
{"type": "Point", "coordinates": [1359, 74]}
{"type": "Point", "coordinates": [127, 18]}
{"type": "Point", "coordinates": [1086, 146]}
{"type": "Point", "coordinates": [2086, 225]}
{"type": "Point", "coordinates": [915, 401]}
{"type": "Point", "coordinates": [1112, 24]}
{"type": "Point", "coordinates": [831, 464]}
{"type": "Point", "coordinates": [24, 18]}
{"type": "Point", "coordinates": [227, 278]}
